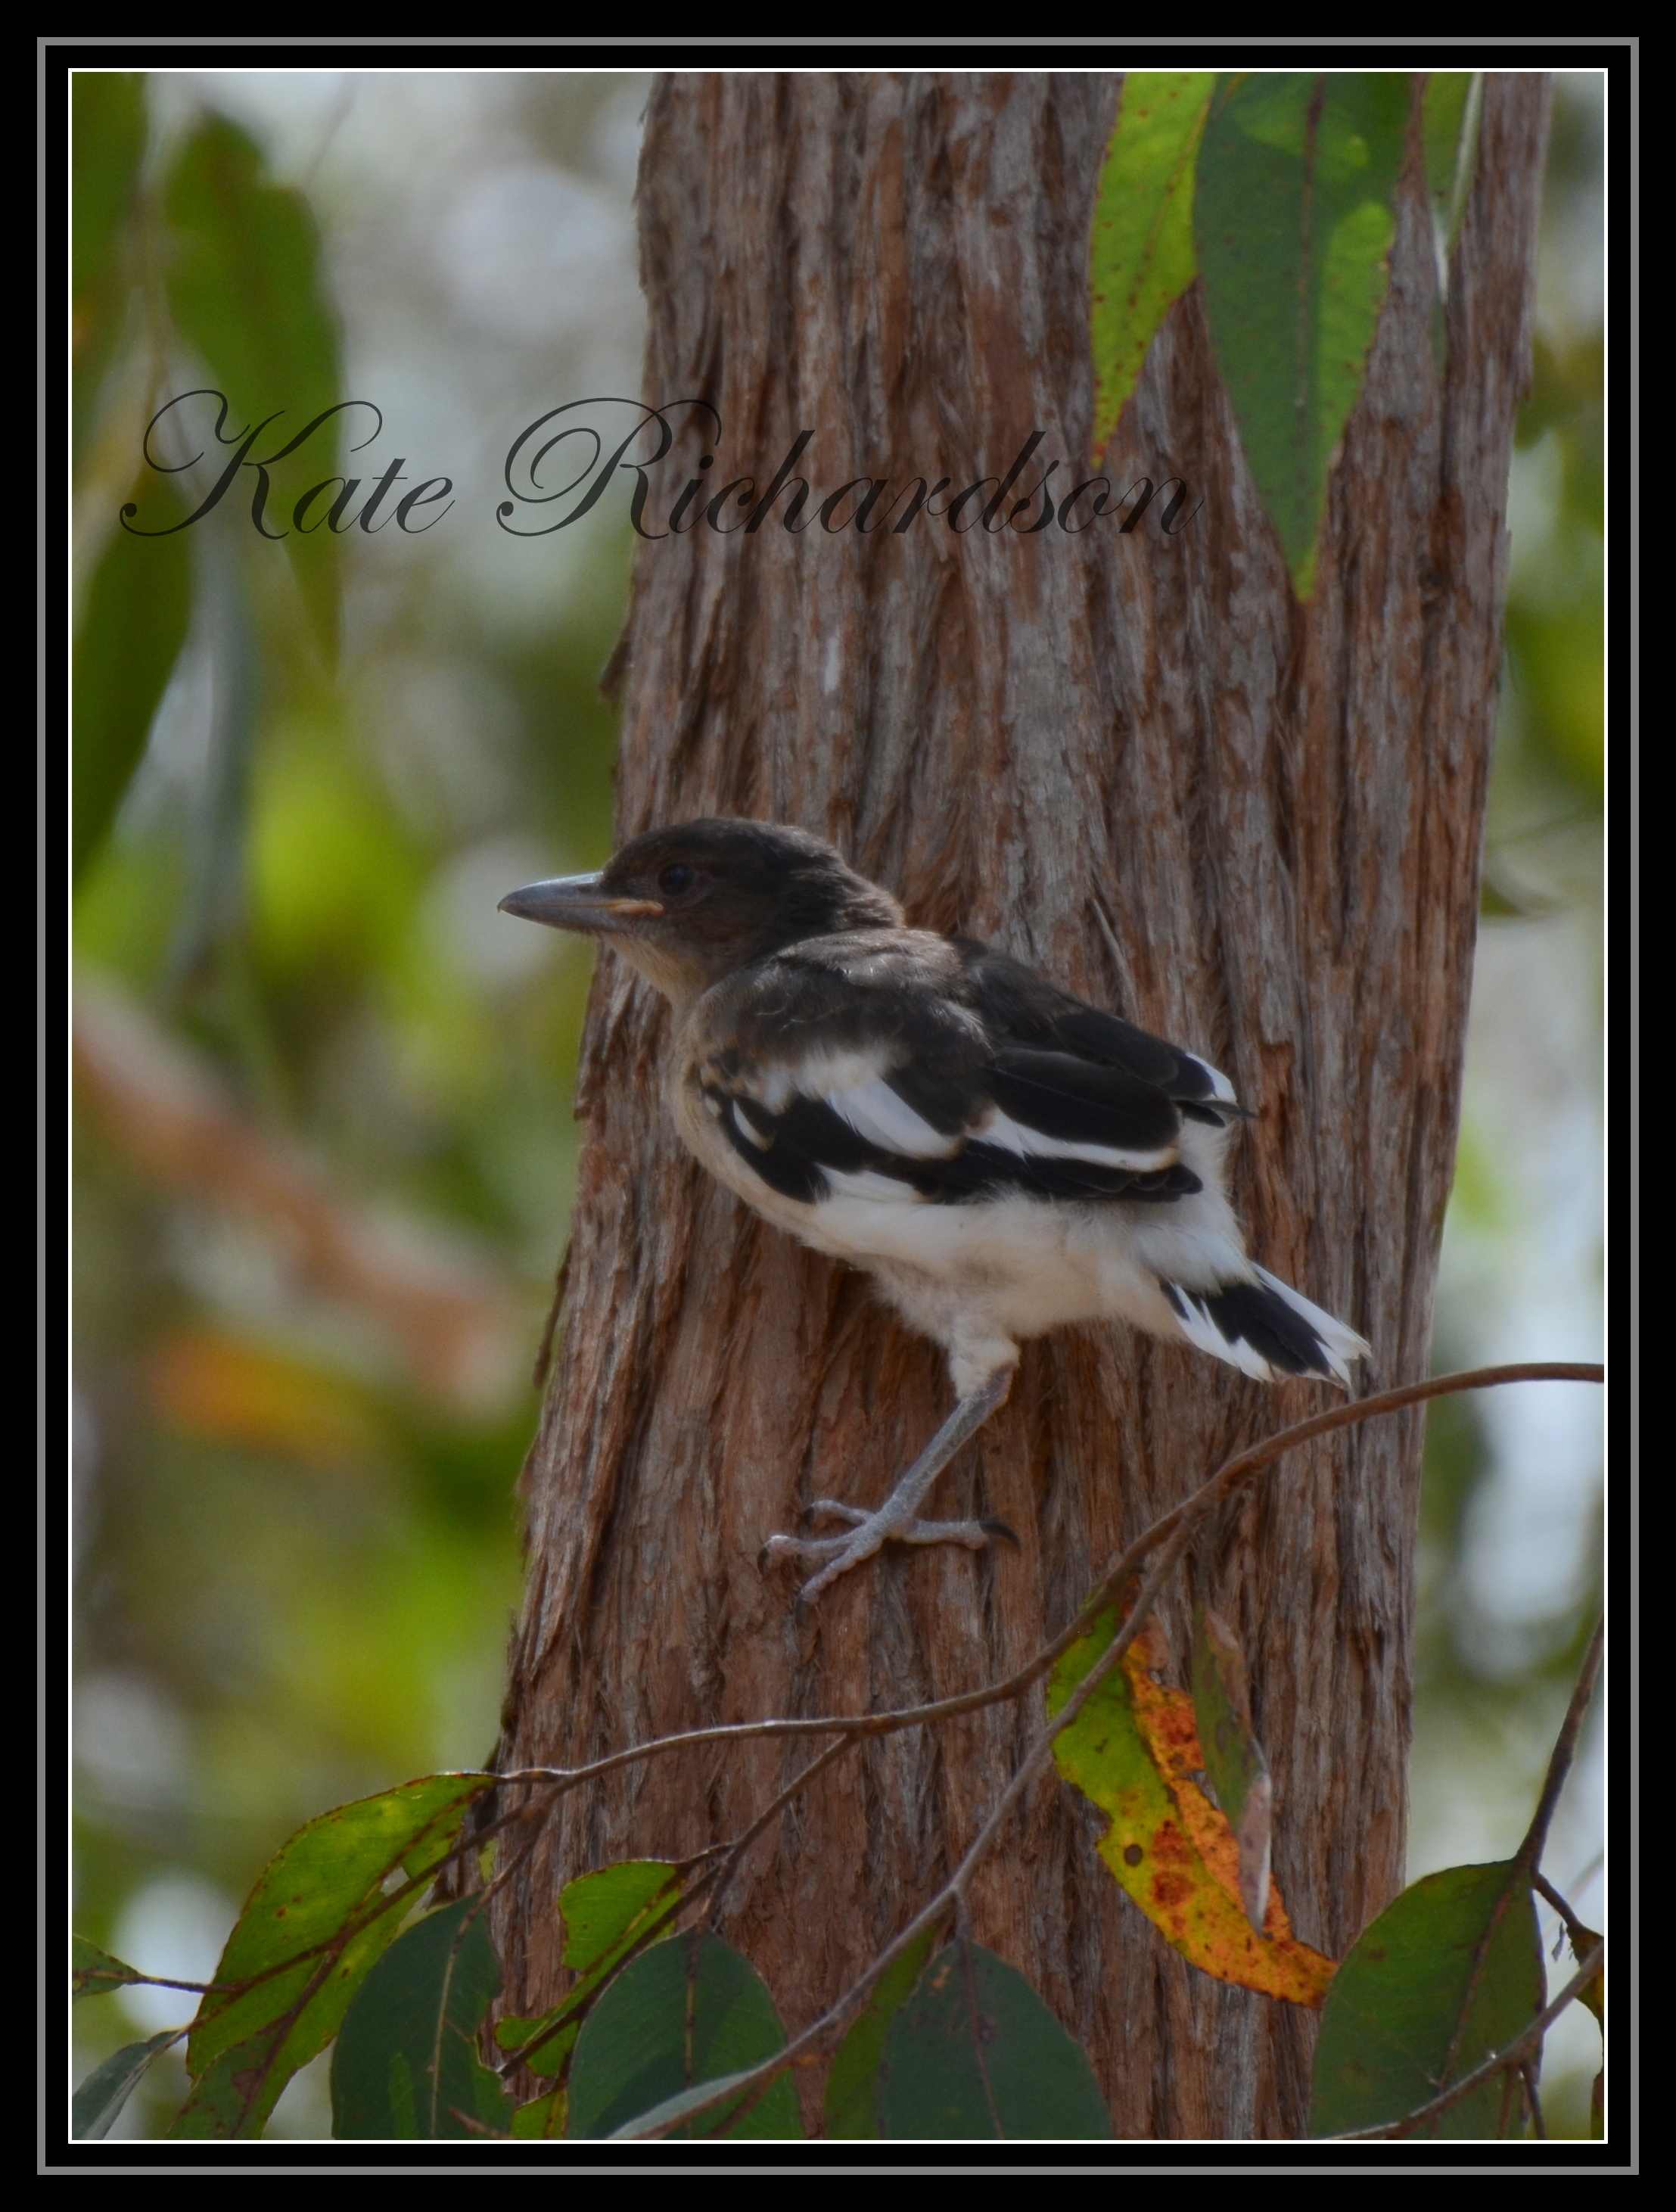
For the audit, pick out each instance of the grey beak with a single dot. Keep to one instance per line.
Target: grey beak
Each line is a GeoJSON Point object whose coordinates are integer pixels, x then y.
{"type": "Point", "coordinates": [576, 902]}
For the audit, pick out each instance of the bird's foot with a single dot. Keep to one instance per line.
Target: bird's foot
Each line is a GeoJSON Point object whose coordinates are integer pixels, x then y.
{"type": "Point", "coordinates": [869, 1533]}
{"type": "Point", "coordinates": [898, 1521]}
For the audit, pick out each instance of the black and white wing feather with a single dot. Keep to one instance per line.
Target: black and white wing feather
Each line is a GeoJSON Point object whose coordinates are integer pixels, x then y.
{"type": "Point", "coordinates": [917, 1071]}
{"type": "Point", "coordinates": [944, 1074]}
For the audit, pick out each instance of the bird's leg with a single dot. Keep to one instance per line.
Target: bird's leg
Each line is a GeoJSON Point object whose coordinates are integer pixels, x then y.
{"type": "Point", "coordinates": [896, 1520]}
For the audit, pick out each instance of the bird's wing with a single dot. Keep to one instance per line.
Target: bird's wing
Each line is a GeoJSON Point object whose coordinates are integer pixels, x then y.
{"type": "Point", "coordinates": [1018, 1006]}
{"type": "Point", "coordinates": [882, 1085]}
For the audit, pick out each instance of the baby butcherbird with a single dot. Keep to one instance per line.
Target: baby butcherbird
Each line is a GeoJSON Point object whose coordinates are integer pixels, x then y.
{"type": "Point", "coordinates": [1002, 1159]}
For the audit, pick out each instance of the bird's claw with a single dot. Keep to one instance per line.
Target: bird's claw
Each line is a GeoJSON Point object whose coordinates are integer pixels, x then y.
{"type": "Point", "coordinates": [869, 1533]}
{"type": "Point", "coordinates": [834, 1508]}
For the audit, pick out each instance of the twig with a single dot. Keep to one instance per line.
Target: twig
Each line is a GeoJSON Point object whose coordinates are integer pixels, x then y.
{"type": "Point", "coordinates": [1521, 2048]}
{"type": "Point", "coordinates": [1565, 1746]}
{"type": "Point", "coordinates": [1523, 1866]}
{"type": "Point", "coordinates": [1260, 1455]}
{"type": "Point", "coordinates": [1235, 1470]}
{"type": "Point", "coordinates": [715, 1877]}
{"type": "Point", "coordinates": [1172, 1530]}
{"type": "Point", "coordinates": [720, 1877]}
{"type": "Point", "coordinates": [480, 2127]}
{"type": "Point", "coordinates": [111, 1984]}
{"type": "Point", "coordinates": [952, 1893]}
{"type": "Point", "coordinates": [1575, 1929]}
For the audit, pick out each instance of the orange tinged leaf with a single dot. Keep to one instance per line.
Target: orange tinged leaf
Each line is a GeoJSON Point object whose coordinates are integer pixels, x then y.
{"type": "Point", "coordinates": [1134, 1750]}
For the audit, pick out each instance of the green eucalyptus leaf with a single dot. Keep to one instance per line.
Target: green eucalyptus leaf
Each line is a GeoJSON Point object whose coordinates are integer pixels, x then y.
{"type": "Point", "coordinates": [853, 2081]}
{"type": "Point", "coordinates": [94, 1971]}
{"type": "Point", "coordinates": [107, 136]}
{"type": "Point", "coordinates": [1447, 1974]}
{"type": "Point", "coordinates": [133, 625]}
{"type": "Point", "coordinates": [247, 290]}
{"type": "Point", "coordinates": [606, 1914]}
{"type": "Point", "coordinates": [542, 2120]}
{"type": "Point", "coordinates": [405, 2061]}
{"type": "Point", "coordinates": [107, 131]}
{"type": "Point", "coordinates": [686, 2100]}
{"type": "Point", "coordinates": [976, 2055]}
{"type": "Point", "coordinates": [228, 2099]}
{"type": "Point", "coordinates": [1293, 217]}
{"type": "Point", "coordinates": [96, 2104]}
{"type": "Point", "coordinates": [324, 1910]}
{"type": "Point", "coordinates": [682, 2015]}
{"type": "Point", "coordinates": [1141, 250]}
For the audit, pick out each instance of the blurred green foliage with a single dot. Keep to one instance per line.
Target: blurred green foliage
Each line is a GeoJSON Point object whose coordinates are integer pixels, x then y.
{"type": "Point", "coordinates": [1542, 858]}
{"type": "Point", "coordinates": [108, 135]}
{"type": "Point", "coordinates": [1491, 1682]}
{"type": "Point", "coordinates": [297, 1549]}
{"type": "Point", "coordinates": [1548, 789]}
{"type": "Point", "coordinates": [127, 643]}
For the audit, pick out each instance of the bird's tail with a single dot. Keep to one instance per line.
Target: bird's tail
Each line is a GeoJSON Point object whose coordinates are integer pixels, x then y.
{"type": "Point", "coordinates": [1267, 1330]}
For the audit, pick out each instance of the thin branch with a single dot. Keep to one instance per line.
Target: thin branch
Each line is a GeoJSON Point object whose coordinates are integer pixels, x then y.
{"type": "Point", "coordinates": [1523, 1866]}
{"type": "Point", "coordinates": [111, 1982]}
{"type": "Point", "coordinates": [1512, 2083]}
{"type": "Point", "coordinates": [1173, 1531]}
{"type": "Point", "coordinates": [1575, 1929]}
{"type": "Point", "coordinates": [720, 1876]}
{"type": "Point", "coordinates": [1565, 1746]}
{"type": "Point", "coordinates": [1251, 1461]}
{"type": "Point", "coordinates": [715, 1877]}
{"type": "Point", "coordinates": [1523, 2047]}
{"type": "Point", "coordinates": [952, 1893]}
{"type": "Point", "coordinates": [480, 2127]}
{"type": "Point", "coordinates": [1238, 1469]}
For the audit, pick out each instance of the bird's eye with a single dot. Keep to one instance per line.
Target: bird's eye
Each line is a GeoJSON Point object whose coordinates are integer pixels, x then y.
{"type": "Point", "coordinates": [677, 879]}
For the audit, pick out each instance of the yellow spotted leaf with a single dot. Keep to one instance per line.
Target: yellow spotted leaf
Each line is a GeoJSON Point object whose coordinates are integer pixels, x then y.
{"type": "Point", "coordinates": [1133, 1751]}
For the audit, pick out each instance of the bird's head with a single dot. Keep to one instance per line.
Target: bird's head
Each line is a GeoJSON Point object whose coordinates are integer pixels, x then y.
{"type": "Point", "coordinates": [688, 905]}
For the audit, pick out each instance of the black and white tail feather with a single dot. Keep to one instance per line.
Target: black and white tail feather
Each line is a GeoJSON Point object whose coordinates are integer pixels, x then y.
{"type": "Point", "coordinates": [1267, 1330]}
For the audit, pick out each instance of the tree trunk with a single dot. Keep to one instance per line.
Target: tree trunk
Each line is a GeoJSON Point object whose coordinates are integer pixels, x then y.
{"type": "Point", "coordinates": [1280, 807]}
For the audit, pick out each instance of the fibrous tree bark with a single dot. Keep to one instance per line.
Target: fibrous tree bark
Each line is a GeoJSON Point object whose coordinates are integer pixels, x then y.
{"type": "Point", "coordinates": [1280, 808]}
